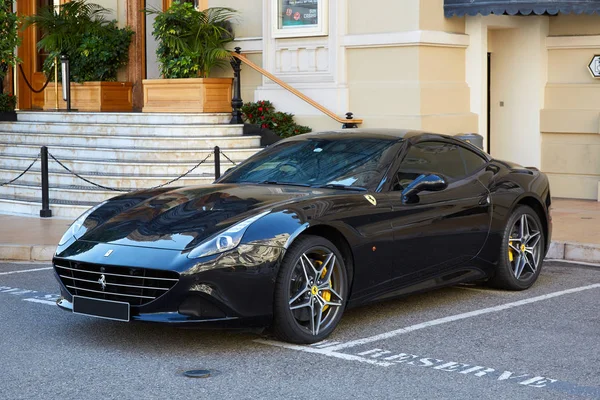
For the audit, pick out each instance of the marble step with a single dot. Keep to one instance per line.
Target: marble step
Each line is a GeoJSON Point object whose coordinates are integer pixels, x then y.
{"type": "Point", "coordinates": [158, 129]}
{"type": "Point", "coordinates": [60, 177]}
{"type": "Point", "coordinates": [124, 118]}
{"type": "Point", "coordinates": [172, 142]}
{"type": "Point", "coordinates": [110, 153]}
{"type": "Point", "coordinates": [33, 205]}
{"type": "Point", "coordinates": [61, 193]}
{"type": "Point", "coordinates": [94, 166]}
{"type": "Point", "coordinates": [66, 193]}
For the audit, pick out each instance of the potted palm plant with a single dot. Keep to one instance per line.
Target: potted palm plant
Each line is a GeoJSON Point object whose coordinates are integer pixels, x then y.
{"type": "Point", "coordinates": [191, 43]}
{"type": "Point", "coordinates": [9, 40]}
{"type": "Point", "coordinates": [96, 49]}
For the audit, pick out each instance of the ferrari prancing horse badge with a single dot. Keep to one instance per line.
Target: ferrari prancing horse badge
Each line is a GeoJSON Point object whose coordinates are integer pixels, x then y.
{"type": "Point", "coordinates": [371, 199]}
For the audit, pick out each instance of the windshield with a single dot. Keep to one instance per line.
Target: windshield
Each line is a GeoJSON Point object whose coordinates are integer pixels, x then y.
{"type": "Point", "coordinates": [342, 163]}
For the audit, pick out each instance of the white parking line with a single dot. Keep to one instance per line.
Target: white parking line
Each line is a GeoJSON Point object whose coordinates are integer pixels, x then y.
{"type": "Point", "coordinates": [458, 317]}
{"type": "Point", "coordinates": [332, 351]}
{"type": "Point", "coordinates": [37, 297]}
{"type": "Point", "coordinates": [41, 301]}
{"type": "Point", "coordinates": [25, 270]}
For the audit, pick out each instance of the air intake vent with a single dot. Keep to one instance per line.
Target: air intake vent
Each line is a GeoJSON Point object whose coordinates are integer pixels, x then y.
{"type": "Point", "coordinates": [137, 286]}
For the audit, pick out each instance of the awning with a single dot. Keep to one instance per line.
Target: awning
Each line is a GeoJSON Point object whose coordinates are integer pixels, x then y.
{"type": "Point", "coordinates": [519, 7]}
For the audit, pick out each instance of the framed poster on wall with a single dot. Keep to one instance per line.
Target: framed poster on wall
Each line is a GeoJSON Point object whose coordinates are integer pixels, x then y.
{"type": "Point", "coordinates": [298, 18]}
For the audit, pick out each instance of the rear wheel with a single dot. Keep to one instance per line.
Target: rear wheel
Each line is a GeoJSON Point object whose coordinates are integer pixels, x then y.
{"type": "Point", "coordinates": [311, 291]}
{"type": "Point", "coordinates": [522, 251]}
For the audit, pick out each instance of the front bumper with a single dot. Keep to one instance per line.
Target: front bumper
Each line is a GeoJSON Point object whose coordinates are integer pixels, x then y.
{"type": "Point", "coordinates": [175, 318]}
{"type": "Point", "coordinates": [232, 289]}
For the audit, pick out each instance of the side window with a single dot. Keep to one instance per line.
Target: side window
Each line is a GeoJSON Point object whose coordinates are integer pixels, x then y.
{"type": "Point", "coordinates": [472, 160]}
{"type": "Point", "coordinates": [430, 158]}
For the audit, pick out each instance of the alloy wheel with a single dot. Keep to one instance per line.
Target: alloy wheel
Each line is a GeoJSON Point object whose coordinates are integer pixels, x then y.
{"type": "Point", "coordinates": [316, 290]}
{"type": "Point", "coordinates": [524, 247]}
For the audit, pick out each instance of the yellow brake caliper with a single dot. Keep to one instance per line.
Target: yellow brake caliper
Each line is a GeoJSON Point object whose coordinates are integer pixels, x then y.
{"type": "Point", "coordinates": [326, 294]}
{"type": "Point", "coordinates": [510, 254]}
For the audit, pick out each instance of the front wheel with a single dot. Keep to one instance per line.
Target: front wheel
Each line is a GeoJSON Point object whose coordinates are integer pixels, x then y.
{"type": "Point", "coordinates": [522, 251]}
{"type": "Point", "coordinates": [310, 292]}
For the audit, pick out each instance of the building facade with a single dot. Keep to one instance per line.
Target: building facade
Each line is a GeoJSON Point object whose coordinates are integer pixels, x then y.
{"type": "Point", "coordinates": [520, 77]}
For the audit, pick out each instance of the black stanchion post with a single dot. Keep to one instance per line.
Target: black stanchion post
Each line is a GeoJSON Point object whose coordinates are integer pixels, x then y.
{"type": "Point", "coordinates": [66, 80]}
{"type": "Point", "coordinates": [236, 100]}
{"type": "Point", "coordinates": [349, 115]}
{"type": "Point", "coordinates": [217, 162]}
{"type": "Point", "coordinates": [45, 212]}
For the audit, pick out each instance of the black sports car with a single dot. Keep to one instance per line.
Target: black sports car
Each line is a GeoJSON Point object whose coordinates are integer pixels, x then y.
{"type": "Point", "coordinates": [305, 228]}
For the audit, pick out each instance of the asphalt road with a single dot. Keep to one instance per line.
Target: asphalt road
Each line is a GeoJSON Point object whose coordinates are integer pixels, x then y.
{"type": "Point", "coordinates": [456, 343]}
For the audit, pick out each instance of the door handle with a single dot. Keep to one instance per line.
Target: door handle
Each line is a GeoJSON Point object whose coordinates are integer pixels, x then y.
{"type": "Point", "coordinates": [485, 201]}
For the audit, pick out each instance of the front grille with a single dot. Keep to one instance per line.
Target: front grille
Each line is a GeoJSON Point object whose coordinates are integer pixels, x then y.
{"type": "Point", "coordinates": [137, 286]}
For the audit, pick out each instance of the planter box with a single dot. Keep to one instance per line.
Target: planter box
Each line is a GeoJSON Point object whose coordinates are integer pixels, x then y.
{"type": "Point", "coordinates": [197, 95]}
{"type": "Point", "coordinates": [92, 96]}
{"type": "Point", "coordinates": [8, 116]}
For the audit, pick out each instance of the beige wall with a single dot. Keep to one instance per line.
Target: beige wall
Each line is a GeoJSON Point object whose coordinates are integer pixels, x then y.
{"type": "Point", "coordinates": [431, 18]}
{"type": "Point", "coordinates": [562, 25]}
{"type": "Point", "coordinates": [386, 16]}
{"type": "Point", "coordinates": [415, 87]}
{"type": "Point", "coordinates": [250, 20]}
{"type": "Point", "coordinates": [570, 120]}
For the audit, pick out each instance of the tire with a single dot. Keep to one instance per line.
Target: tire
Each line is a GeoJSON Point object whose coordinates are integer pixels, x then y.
{"type": "Point", "coordinates": [514, 272]}
{"type": "Point", "coordinates": [304, 311]}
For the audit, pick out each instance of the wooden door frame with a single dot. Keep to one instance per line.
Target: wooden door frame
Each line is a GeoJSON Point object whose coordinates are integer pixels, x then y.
{"type": "Point", "coordinates": [26, 54]}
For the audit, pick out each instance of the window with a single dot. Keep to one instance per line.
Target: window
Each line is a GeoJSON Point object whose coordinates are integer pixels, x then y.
{"type": "Point", "coordinates": [297, 18]}
{"type": "Point", "coordinates": [430, 158]}
{"type": "Point", "coordinates": [359, 162]}
{"type": "Point", "coordinates": [472, 160]}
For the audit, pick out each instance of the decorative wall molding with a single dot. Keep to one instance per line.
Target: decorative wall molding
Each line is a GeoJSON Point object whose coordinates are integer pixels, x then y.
{"type": "Point", "coordinates": [411, 38]}
{"type": "Point", "coordinates": [573, 42]}
{"type": "Point", "coordinates": [249, 44]}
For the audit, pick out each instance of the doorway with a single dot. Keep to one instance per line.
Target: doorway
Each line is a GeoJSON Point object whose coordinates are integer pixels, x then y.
{"type": "Point", "coordinates": [516, 75]}
{"type": "Point", "coordinates": [32, 58]}
{"type": "Point", "coordinates": [488, 95]}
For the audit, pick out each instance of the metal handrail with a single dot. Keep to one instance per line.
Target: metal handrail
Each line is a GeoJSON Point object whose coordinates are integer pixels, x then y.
{"type": "Point", "coordinates": [295, 92]}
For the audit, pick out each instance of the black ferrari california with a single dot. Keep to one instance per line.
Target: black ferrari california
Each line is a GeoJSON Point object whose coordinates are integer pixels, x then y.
{"type": "Point", "coordinates": [306, 228]}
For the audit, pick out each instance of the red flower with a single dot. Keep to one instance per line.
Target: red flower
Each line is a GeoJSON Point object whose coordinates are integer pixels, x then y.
{"type": "Point", "coordinates": [249, 115]}
{"type": "Point", "coordinates": [263, 125]}
{"type": "Point", "coordinates": [260, 108]}
{"type": "Point", "coordinates": [262, 117]}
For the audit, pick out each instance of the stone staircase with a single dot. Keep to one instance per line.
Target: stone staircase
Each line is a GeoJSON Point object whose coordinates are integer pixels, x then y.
{"type": "Point", "coordinates": [126, 151]}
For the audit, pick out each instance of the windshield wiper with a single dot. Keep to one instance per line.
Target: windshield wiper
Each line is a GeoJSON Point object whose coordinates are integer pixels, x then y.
{"type": "Point", "coordinates": [284, 183]}
{"type": "Point", "coordinates": [342, 187]}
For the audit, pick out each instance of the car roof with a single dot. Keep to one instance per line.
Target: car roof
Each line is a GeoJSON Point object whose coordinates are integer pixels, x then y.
{"type": "Point", "coordinates": [386, 134]}
{"type": "Point", "coordinates": [363, 133]}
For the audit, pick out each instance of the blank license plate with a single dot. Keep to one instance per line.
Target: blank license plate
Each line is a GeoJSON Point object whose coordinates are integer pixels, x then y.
{"type": "Point", "coordinates": [107, 309]}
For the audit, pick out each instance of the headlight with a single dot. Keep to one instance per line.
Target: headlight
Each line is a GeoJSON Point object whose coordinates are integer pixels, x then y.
{"type": "Point", "coordinates": [226, 240]}
{"type": "Point", "coordinates": [75, 230]}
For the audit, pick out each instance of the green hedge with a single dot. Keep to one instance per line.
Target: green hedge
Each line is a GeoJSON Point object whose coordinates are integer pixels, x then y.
{"type": "Point", "coordinates": [8, 102]}
{"type": "Point", "coordinates": [263, 113]}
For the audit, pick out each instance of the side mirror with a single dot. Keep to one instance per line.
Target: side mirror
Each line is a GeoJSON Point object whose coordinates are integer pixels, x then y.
{"type": "Point", "coordinates": [429, 182]}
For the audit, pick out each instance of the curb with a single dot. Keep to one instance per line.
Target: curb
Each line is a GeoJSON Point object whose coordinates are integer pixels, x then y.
{"type": "Point", "coordinates": [571, 251]}
{"type": "Point", "coordinates": [13, 252]}
{"type": "Point", "coordinates": [567, 251]}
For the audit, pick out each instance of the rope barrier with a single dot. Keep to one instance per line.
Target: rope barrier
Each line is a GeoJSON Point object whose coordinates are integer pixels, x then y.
{"type": "Point", "coordinates": [29, 84]}
{"type": "Point", "coordinates": [121, 190]}
{"type": "Point", "coordinates": [228, 159]}
{"type": "Point", "coordinates": [22, 173]}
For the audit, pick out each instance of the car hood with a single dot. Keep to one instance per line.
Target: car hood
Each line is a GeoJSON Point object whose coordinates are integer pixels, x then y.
{"type": "Point", "coordinates": [183, 218]}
